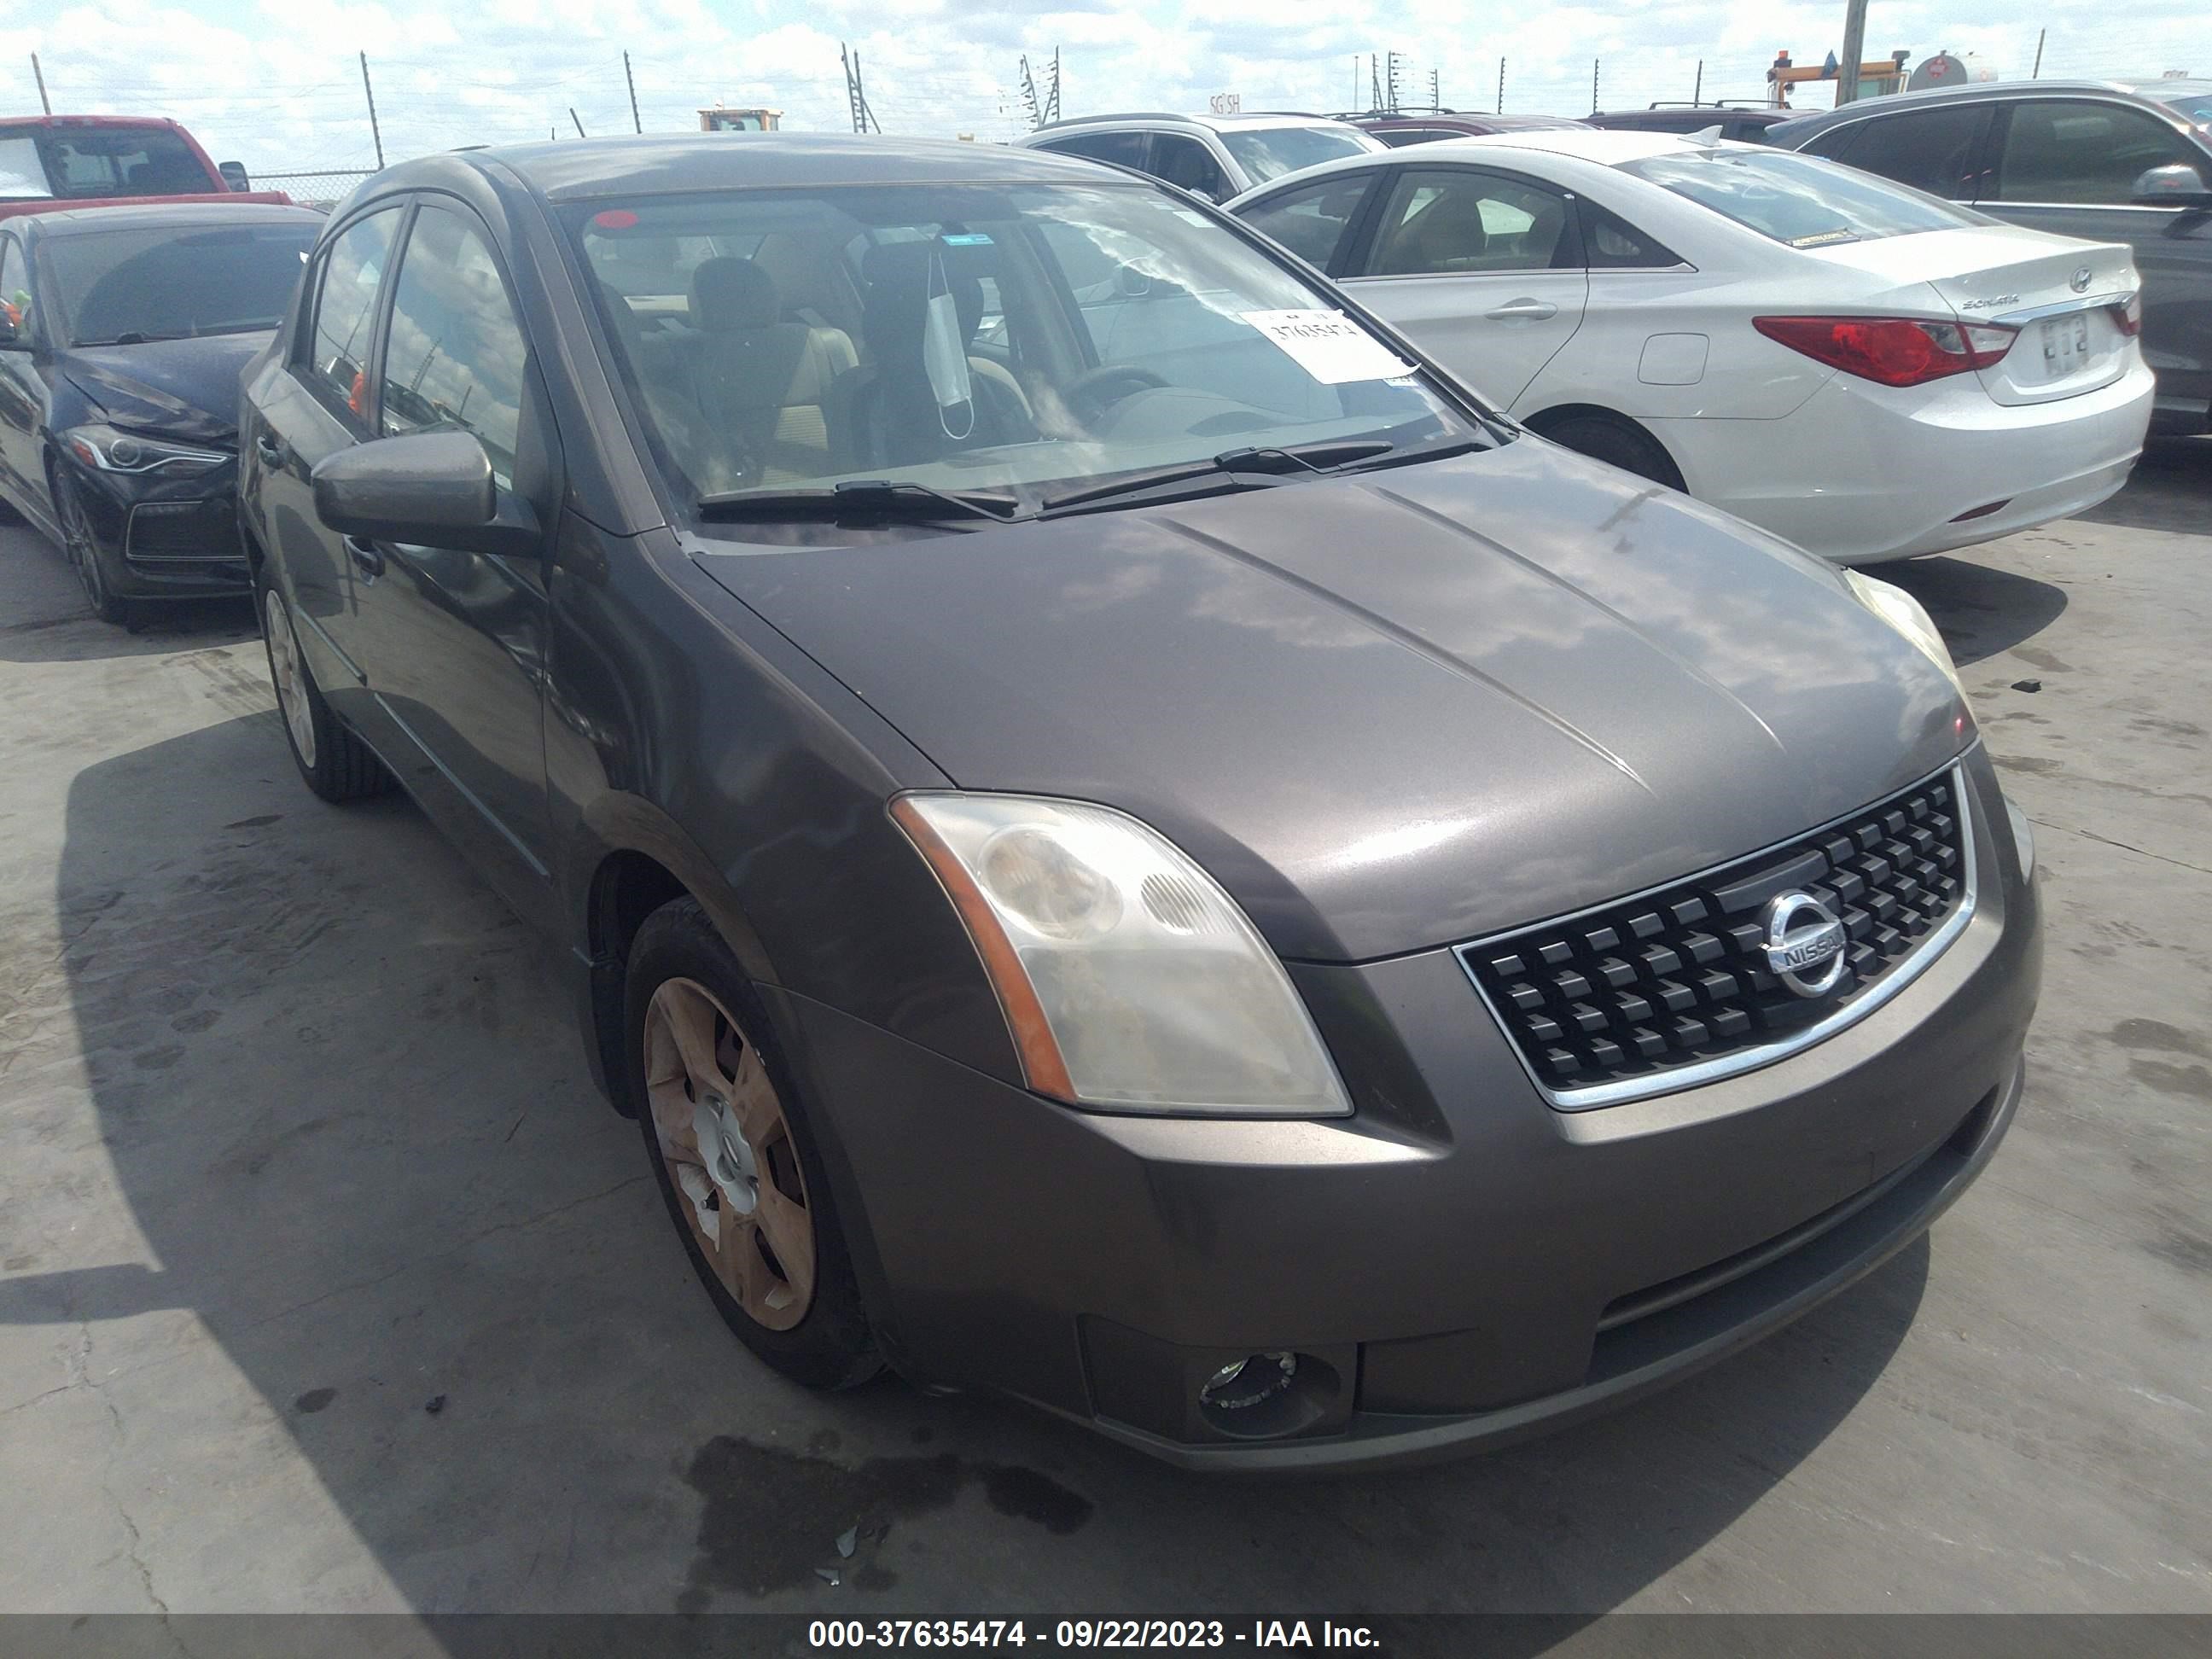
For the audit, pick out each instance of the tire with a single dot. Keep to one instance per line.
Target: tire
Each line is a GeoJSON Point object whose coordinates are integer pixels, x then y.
{"type": "Point", "coordinates": [690, 1012]}
{"type": "Point", "coordinates": [334, 762]}
{"type": "Point", "coordinates": [1617, 442]}
{"type": "Point", "coordinates": [83, 552]}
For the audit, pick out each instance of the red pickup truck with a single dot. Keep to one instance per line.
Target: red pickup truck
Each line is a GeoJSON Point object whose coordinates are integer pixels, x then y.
{"type": "Point", "coordinates": [52, 162]}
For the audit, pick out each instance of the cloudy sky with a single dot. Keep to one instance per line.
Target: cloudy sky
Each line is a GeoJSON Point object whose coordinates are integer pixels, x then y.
{"type": "Point", "coordinates": [276, 83]}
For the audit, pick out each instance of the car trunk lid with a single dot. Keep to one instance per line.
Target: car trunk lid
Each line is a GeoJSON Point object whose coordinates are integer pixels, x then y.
{"type": "Point", "coordinates": [2064, 297]}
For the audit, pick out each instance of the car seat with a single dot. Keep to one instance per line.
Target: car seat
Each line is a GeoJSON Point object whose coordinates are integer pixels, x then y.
{"type": "Point", "coordinates": [885, 413]}
{"type": "Point", "coordinates": [760, 381]}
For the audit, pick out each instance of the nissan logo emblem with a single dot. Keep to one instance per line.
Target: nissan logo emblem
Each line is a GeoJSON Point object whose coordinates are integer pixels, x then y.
{"type": "Point", "coordinates": [1804, 943]}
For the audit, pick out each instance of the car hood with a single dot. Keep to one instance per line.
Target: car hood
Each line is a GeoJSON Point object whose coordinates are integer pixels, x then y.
{"type": "Point", "coordinates": [1392, 710]}
{"type": "Point", "coordinates": [178, 388]}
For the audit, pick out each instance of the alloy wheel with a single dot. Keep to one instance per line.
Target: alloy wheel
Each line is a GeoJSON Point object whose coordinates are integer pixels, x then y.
{"type": "Point", "coordinates": [290, 677]}
{"type": "Point", "coordinates": [77, 543]}
{"type": "Point", "coordinates": [728, 1147]}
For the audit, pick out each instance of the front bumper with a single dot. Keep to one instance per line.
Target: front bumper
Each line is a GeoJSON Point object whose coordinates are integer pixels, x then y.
{"type": "Point", "coordinates": [1861, 473]}
{"type": "Point", "coordinates": [1458, 1264]}
{"type": "Point", "coordinates": [169, 538]}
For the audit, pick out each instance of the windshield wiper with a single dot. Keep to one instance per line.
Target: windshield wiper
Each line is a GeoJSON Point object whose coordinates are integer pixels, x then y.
{"type": "Point", "coordinates": [859, 501]}
{"type": "Point", "coordinates": [1241, 468]}
{"type": "Point", "coordinates": [133, 336]}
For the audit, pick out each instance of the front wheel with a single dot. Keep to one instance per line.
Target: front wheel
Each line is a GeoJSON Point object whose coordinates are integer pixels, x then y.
{"type": "Point", "coordinates": [334, 762]}
{"type": "Point", "coordinates": [728, 1144]}
{"type": "Point", "coordinates": [83, 550]}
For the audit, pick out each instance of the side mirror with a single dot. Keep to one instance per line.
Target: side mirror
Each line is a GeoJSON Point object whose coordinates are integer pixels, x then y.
{"type": "Point", "coordinates": [2178, 185]}
{"type": "Point", "coordinates": [427, 489]}
{"type": "Point", "coordinates": [8, 338]}
{"type": "Point", "coordinates": [233, 174]}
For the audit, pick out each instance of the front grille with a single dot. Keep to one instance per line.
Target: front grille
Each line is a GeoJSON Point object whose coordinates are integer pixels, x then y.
{"type": "Point", "coordinates": [1673, 988]}
{"type": "Point", "coordinates": [194, 530]}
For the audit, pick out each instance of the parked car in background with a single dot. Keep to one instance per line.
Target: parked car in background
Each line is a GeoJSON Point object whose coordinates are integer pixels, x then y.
{"type": "Point", "coordinates": [51, 162]}
{"type": "Point", "coordinates": [1864, 370]}
{"type": "Point", "coordinates": [122, 331]}
{"type": "Point", "coordinates": [1748, 125]}
{"type": "Point", "coordinates": [1214, 156]}
{"type": "Point", "coordinates": [2108, 161]}
{"type": "Point", "coordinates": [1399, 128]}
{"type": "Point", "coordinates": [1192, 875]}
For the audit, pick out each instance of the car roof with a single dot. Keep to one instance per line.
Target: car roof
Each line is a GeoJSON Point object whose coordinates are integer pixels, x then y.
{"type": "Point", "coordinates": [1702, 114]}
{"type": "Point", "coordinates": [1455, 118]}
{"type": "Point", "coordinates": [64, 122]}
{"type": "Point", "coordinates": [92, 217]}
{"type": "Point", "coordinates": [1258, 121]}
{"type": "Point", "coordinates": [1601, 146]}
{"type": "Point", "coordinates": [1980, 92]}
{"type": "Point", "coordinates": [579, 169]}
{"type": "Point", "coordinates": [1606, 146]}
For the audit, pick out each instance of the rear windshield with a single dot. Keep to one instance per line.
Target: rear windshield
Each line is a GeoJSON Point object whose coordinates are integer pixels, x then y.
{"type": "Point", "coordinates": [123, 286]}
{"type": "Point", "coordinates": [1270, 152]}
{"type": "Point", "coordinates": [1800, 201]}
{"type": "Point", "coordinates": [91, 163]}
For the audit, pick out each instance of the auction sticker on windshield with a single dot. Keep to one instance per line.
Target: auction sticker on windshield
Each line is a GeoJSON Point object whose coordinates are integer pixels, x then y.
{"type": "Point", "coordinates": [1330, 346]}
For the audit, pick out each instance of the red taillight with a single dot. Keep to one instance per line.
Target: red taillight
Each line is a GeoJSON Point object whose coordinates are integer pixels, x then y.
{"type": "Point", "coordinates": [2127, 316]}
{"type": "Point", "coordinates": [1892, 351]}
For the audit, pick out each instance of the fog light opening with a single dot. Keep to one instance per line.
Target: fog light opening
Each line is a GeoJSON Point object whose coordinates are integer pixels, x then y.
{"type": "Point", "coordinates": [1266, 1396]}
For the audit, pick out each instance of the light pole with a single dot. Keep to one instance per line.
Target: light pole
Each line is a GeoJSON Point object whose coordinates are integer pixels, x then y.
{"type": "Point", "coordinates": [1847, 72]}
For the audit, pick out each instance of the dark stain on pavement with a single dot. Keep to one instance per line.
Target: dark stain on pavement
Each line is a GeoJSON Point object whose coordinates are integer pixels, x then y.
{"type": "Point", "coordinates": [773, 1515]}
{"type": "Point", "coordinates": [2158, 1035]}
{"type": "Point", "coordinates": [2185, 1251]}
{"type": "Point", "coordinates": [314, 1400]}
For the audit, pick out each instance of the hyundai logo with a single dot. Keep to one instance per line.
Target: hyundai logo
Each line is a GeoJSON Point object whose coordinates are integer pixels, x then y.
{"type": "Point", "coordinates": [2081, 279]}
{"type": "Point", "coordinates": [1804, 943]}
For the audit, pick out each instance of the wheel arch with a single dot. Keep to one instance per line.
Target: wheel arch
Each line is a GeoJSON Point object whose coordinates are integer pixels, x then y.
{"type": "Point", "coordinates": [1544, 422]}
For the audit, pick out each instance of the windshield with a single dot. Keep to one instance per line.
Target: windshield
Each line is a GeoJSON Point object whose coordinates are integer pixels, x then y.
{"type": "Point", "coordinates": [1270, 152]}
{"type": "Point", "coordinates": [1800, 201]}
{"type": "Point", "coordinates": [89, 163]}
{"type": "Point", "coordinates": [1015, 340]}
{"type": "Point", "coordinates": [171, 283]}
{"type": "Point", "coordinates": [2193, 104]}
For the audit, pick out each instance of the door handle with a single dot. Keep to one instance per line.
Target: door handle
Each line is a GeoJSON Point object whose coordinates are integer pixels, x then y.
{"type": "Point", "coordinates": [366, 556]}
{"type": "Point", "coordinates": [1532, 310]}
{"type": "Point", "coordinates": [272, 449]}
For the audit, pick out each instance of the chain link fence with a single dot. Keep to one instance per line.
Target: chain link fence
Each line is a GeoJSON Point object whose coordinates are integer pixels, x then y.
{"type": "Point", "coordinates": [324, 190]}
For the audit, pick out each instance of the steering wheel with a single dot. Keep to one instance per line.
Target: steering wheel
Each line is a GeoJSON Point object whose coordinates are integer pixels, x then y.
{"type": "Point", "coordinates": [1091, 394]}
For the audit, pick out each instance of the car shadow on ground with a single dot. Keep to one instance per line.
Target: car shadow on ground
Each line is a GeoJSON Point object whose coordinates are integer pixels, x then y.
{"type": "Point", "coordinates": [2170, 489]}
{"type": "Point", "coordinates": [1981, 610]}
{"type": "Point", "coordinates": [344, 1102]}
{"type": "Point", "coordinates": [47, 619]}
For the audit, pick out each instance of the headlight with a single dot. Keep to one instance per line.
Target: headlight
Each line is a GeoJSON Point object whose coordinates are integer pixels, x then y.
{"type": "Point", "coordinates": [1909, 617]}
{"type": "Point", "coordinates": [1130, 980]}
{"type": "Point", "coordinates": [111, 451]}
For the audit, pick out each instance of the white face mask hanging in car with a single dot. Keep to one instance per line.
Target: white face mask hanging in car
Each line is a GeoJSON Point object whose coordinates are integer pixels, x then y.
{"type": "Point", "coordinates": [944, 353]}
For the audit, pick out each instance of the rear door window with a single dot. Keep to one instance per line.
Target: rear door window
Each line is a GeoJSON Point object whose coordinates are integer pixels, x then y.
{"type": "Point", "coordinates": [1312, 221]}
{"type": "Point", "coordinates": [1459, 221]}
{"type": "Point", "coordinates": [2066, 150]}
{"type": "Point", "coordinates": [334, 358]}
{"type": "Point", "coordinates": [1930, 149]}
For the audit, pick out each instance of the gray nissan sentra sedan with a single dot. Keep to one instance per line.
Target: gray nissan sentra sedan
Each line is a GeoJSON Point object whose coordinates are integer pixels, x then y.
{"type": "Point", "coordinates": [1124, 840]}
